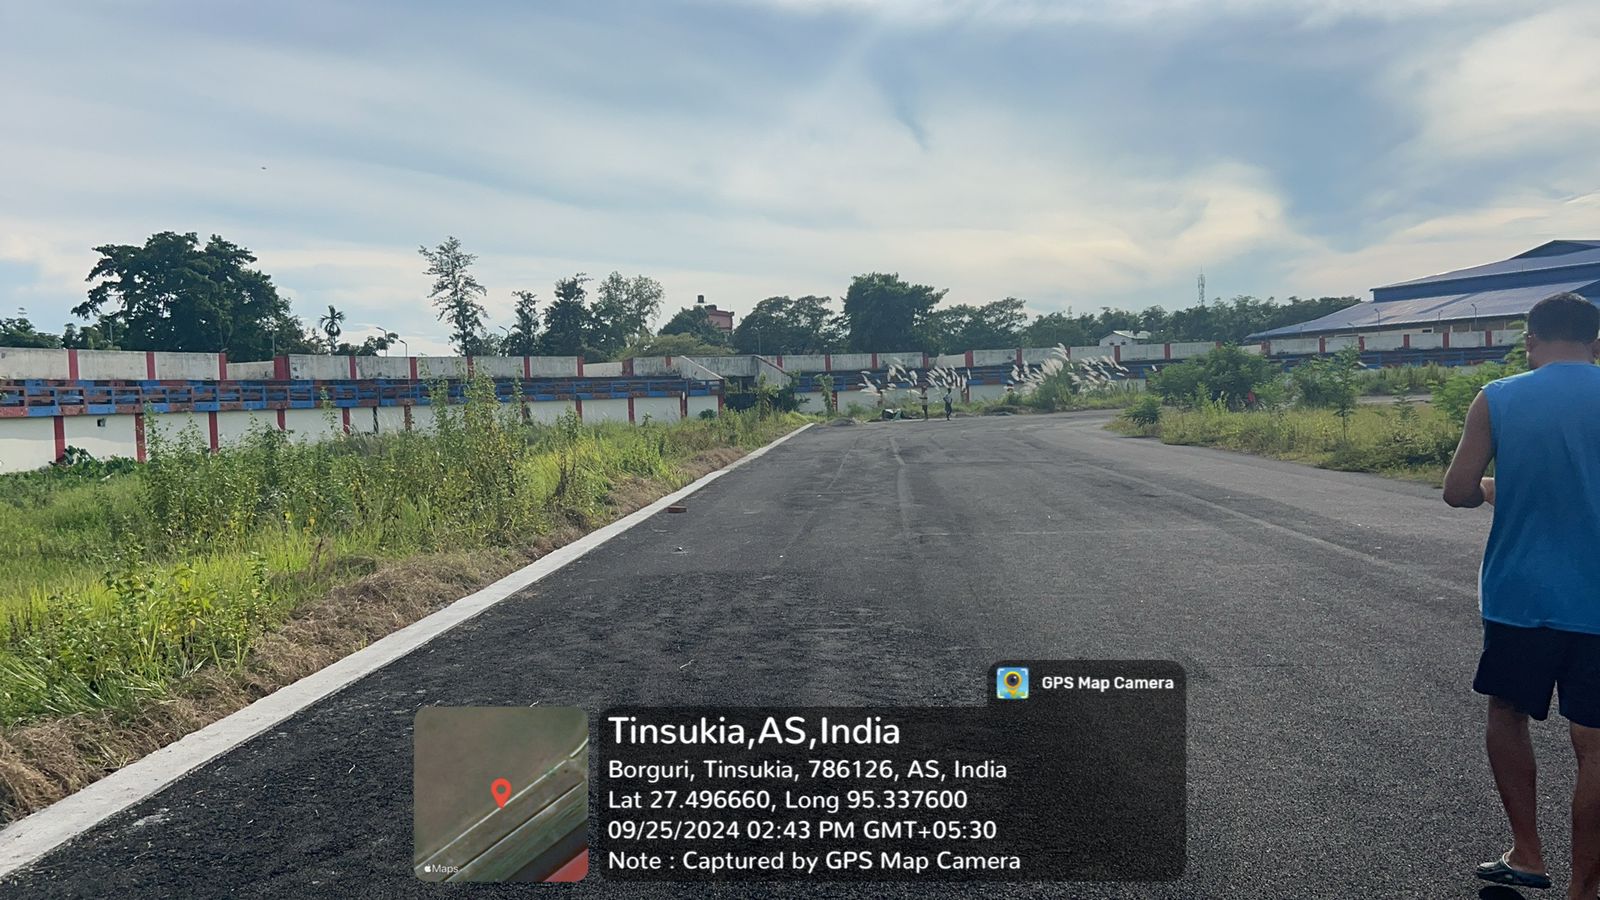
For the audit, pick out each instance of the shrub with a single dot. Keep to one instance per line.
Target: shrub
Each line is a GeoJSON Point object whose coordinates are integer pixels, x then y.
{"type": "Point", "coordinates": [1145, 413]}
{"type": "Point", "coordinates": [1227, 374]}
{"type": "Point", "coordinates": [1456, 394]}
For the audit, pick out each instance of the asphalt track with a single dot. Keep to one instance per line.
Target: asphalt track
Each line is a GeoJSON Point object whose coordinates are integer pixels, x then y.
{"type": "Point", "coordinates": [1327, 621]}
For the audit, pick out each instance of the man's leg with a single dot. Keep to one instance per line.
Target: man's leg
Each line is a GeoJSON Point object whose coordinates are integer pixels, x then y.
{"type": "Point", "coordinates": [1586, 814]}
{"type": "Point", "coordinates": [1515, 774]}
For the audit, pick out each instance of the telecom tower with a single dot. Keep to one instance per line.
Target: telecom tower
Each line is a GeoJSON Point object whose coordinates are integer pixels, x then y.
{"type": "Point", "coordinates": [1202, 285]}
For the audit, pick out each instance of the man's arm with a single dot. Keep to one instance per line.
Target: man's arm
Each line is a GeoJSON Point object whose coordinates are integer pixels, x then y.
{"type": "Point", "coordinates": [1464, 483]}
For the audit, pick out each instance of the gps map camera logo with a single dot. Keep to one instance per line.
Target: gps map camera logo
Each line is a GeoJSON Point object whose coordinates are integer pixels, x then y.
{"type": "Point", "coordinates": [1011, 684]}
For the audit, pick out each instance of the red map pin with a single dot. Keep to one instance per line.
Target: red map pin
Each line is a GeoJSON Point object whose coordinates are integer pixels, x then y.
{"type": "Point", "coordinates": [501, 789]}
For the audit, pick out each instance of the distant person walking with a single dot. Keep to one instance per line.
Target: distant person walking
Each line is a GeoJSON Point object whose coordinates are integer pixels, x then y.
{"type": "Point", "coordinates": [1539, 586]}
{"type": "Point", "coordinates": [949, 404]}
{"type": "Point", "coordinates": [924, 403]}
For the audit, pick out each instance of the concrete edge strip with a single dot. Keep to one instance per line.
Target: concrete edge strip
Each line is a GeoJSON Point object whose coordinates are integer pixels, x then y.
{"type": "Point", "coordinates": [26, 840]}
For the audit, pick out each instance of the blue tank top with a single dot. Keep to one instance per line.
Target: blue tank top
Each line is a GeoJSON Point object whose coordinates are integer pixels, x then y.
{"type": "Point", "coordinates": [1541, 567]}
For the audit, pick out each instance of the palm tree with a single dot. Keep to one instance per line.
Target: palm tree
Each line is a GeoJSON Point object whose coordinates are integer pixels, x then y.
{"type": "Point", "coordinates": [330, 326]}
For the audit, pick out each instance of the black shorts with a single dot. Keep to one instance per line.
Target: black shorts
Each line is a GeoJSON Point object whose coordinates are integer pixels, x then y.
{"type": "Point", "coordinates": [1523, 666]}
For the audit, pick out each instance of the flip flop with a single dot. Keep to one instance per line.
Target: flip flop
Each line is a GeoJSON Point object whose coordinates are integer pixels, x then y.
{"type": "Point", "coordinates": [1501, 872]}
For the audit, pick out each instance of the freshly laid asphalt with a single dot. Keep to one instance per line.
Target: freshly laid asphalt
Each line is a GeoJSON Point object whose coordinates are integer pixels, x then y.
{"type": "Point", "coordinates": [1328, 623]}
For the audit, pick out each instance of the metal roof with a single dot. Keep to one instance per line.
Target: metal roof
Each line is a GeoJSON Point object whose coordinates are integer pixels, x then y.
{"type": "Point", "coordinates": [1427, 310]}
{"type": "Point", "coordinates": [1552, 255]}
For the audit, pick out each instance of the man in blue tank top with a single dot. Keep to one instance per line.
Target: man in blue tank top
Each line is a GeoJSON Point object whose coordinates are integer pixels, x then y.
{"type": "Point", "coordinates": [1539, 587]}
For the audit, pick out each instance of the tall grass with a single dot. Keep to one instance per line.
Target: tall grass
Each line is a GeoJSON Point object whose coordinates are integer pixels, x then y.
{"type": "Point", "coordinates": [117, 584]}
{"type": "Point", "coordinates": [1406, 439]}
{"type": "Point", "coordinates": [1402, 380]}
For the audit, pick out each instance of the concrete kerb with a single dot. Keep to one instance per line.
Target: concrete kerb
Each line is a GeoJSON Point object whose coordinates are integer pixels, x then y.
{"type": "Point", "coordinates": [28, 839]}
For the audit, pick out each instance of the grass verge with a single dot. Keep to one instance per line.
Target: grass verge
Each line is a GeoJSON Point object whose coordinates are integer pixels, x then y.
{"type": "Point", "coordinates": [1401, 440]}
{"type": "Point", "coordinates": [141, 605]}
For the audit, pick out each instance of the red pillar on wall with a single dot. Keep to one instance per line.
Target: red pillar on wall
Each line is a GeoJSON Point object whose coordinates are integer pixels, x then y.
{"type": "Point", "coordinates": [1116, 353]}
{"type": "Point", "coordinates": [1019, 356]}
{"type": "Point", "coordinates": [577, 405]}
{"type": "Point", "coordinates": [1405, 341]}
{"type": "Point", "coordinates": [280, 368]}
{"type": "Point", "coordinates": [627, 370]}
{"type": "Point", "coordinates": [283, 420]}
{"type": "Point", "coordinates": [345, 415]}
{"type": "Point", "coordinates": [352, 361]}
{"type": "Point", "coordinates": [1322, 345]}
{"type": "Point", "coordinates": [1361, 343]}
{"type": "Point", "coordinates": [630, 409]}
{"type": "Point", "coordinates": [1447, 340]}
{"type": "Point", "coordinates": [138, 436]}
{"type": "Point", "coordinates": [72, 365]}
{"type": "Point", "coordinates": [827, 366]}
{"type": "Point", "coordinates": [969, 359]}
{"type": "Point", "coordinates": [150, 364]}
{"type": "Point", "coordinates": [527, 368]}
{"type": "Point", "coordinates": [874, 365]}
{"type": "Point", "coordinates": [580, 367]}
{"type": "Point", "coordinates": [683, 405]}
{"type": "Point", "coordinates": [211, 423]}
{"type": "Point", "coordinates": [61, 438]}
{"type": "Point", "coordinates": [413, 361]}
{"type": "Point", "coordinates": [222, 367]}
{"type": "Point", "coordinates": [1166, 350]}
{"type": "Point", "coordinates": [407, 409]}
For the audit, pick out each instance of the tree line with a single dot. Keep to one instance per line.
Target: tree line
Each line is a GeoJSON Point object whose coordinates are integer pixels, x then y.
{"type": "Point", "coordinates": [174, 293]}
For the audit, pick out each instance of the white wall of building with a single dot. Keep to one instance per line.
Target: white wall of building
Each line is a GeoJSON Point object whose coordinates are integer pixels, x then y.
{"type": "Point", "coordinates": [29, 442]}
{"type": "Point", "coordinates": [117, 365]}
{"type": "Point", "coordinates": [698, 404]}
{"type": "Point", "coordinates": [659, 409]}
{"type": "Point", "coordinates": [24, 362]}
{"type": "Point", "coordinates": [383, 367]}
{"type": "Point", "coordinates": [103, 436]}
{"type": "Point", "coordinates": [605, 410]}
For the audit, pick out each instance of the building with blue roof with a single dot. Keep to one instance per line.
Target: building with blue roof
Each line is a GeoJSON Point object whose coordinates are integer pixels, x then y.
{"type": "Point", "coordinates": [1490, 296]}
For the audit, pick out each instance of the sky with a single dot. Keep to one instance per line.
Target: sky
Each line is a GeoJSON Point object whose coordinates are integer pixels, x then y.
{"type": "Point", "coordinates": [1075, 154]}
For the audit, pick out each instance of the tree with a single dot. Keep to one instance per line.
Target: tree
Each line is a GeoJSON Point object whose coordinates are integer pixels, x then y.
{"type": "Point", "coordinates": [695, 321]}
{"type": "Point", "coordinates": [455, 293]}
{"type": "Point", "coordinates": [330, 325]}
{"type": "Point", "coordinates": [1055, 328]}
{"type": "Point", "coordinates": [623, 311]}
{"type": "Point", "coordinates": [88, 337]}
{"type": "Point", "coordinates": [780, 325]}
{"type": "Point", "coordinates": [370, 346]}
{"type": "Point", "coordinates": [523, 339]}
{"type": "Point", "coordinates": [566, 320]}
{"type": "Point", "coordinates": [19, 332]}
{"type": "Point", "coordinates": [673, 345]}
{"type": "Point", "coordinates": [886, 313]}
{"type": "Point", "coordinates": [962, 327]}
{"type": "Point", "coordinates": [173, 294]}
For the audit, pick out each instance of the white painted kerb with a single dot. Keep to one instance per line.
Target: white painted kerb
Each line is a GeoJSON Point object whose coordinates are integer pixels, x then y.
{"type": "Point", "coordinates": [27, 839]}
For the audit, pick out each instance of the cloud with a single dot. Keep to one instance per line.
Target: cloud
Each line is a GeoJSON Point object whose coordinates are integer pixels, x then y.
{"type": "Point", "coordinates": [1528, 87]}
{"type": "Point", "coordinates": [745, 148]}
{"type": "Point", "coordinates": [1511, 224]}
{"type": "Point", "coordinates": [1010, 12]}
